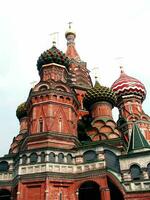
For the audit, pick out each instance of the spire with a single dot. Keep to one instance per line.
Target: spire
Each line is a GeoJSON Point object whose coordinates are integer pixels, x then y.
{"type": "Point", "coordinates": [71, 50]}
{"type": "Point", "coordinates": [137, 140]}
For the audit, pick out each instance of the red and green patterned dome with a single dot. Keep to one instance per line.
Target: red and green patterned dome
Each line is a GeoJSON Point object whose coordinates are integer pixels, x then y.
{"type": "Point", "coordinates": [99, 93]}
{"type": "Point", "coordinates": [126, 86]}
{"type": "Point", "coordinates": [52, 55]}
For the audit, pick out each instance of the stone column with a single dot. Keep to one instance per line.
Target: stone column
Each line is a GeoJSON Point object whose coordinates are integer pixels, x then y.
{"type": "Point", "coordinates": [19, 191]}
{"type": "Point", "coordinates": [47, 189]}
{"type": "Point", "coordinates": [105, 193]}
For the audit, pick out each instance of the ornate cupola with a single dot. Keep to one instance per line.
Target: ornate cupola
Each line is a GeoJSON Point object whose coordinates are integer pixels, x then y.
{"type": "Point", "coordinates": [22, 116]}
{"type": "Point", "coordinates": [127, 87]}
{"type": "Point", "coordinates": [130, 94]}
{"type": "Point", "coordinates": [49, 58]}
{"type": "Point", "coordinates": [100, 100]}
{"type": "Point", "coordinates": [71, 50]}
{"type": "Point", "coordinates": [97, 94]}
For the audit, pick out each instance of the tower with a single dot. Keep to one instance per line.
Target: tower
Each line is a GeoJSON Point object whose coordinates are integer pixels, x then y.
{"type": "Point", "coordinates": [130, 94]}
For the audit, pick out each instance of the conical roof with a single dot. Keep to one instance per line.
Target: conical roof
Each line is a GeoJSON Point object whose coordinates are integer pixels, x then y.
{"type": "Point", "coordinates": [137, 140]}
{"type": "Point", "coordinates": [52, 55]}
{"type": "Point", "coordinates": [99, 93]}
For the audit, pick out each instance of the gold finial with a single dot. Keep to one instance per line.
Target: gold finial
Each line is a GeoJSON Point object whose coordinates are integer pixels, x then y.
{"type": "Point", "coordinates": [96, 78]}
{"type": "Point", "coordinates": [54, 37]}
{"type": "Point", "coordinates": [95, 71]}
{"type": "Point", "coordinates": [70, 25]}
{"type": "Point", "coordinates": [121, 68]}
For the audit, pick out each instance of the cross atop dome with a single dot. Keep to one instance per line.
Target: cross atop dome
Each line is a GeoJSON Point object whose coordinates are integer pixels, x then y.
{"type": "Point", "coordinates": [54, 38]}
{"type": "Point", "coordinates": [122, 69]}
{"type": "Point", "coordinates": [70, 31]}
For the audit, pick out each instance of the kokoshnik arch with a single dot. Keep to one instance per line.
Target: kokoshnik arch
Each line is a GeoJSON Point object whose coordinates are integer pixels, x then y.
{"type": "Point", "coordinates": [69, 147]}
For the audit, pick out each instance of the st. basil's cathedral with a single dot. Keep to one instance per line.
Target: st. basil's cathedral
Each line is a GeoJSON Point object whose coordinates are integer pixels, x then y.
{"type": "Point", "coordinates": [69, 147]}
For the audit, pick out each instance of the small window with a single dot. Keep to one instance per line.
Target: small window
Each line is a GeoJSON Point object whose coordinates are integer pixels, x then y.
{"type": "Point", "coordinates": [61, 158]}
{"type": "Point", "coordinates": [42, 157]}
{"type": "Point", "coordinates": [52, 157]}
{"type": "Point", "coordinates": [4, 166]}
{"type": "Point", "coordinates": [69, 158]}
{"type": "Point", "coordinates": [33, 158]}
{"type": "Point", "coordinates": [24, 159]}
{"type": "Point", "coordinates": [89, 156]}
{"type": "Point", "coordinates": [148, 169]}
{"type": "Point", "coordinates": [136, 172]}
{"type": "Point", "coordinates": [43, 88]}
{"type": "Point", "coordinates": [112, 161]}
{"type": "Point", "coordinates": [41, 125]}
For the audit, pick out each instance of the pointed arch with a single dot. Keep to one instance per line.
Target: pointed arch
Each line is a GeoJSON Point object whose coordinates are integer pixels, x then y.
{"type": "Point", "coordinates": [60, 117]}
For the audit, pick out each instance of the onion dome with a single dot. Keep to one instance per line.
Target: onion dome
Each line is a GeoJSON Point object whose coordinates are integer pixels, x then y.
{"type": "Point", "coordinates": [70, 31]}
{"type": "Point", "coordinates": [21, 111]}
{"type": "Point", "coordinates": [52, 55]}
{"type": "Point", "coordinates": [99, 93]}
{"type": "Point", "coordinates": [127, 85]}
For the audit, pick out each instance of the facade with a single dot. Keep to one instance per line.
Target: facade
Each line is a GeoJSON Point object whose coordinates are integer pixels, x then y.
{"type": "Point", "coordinates": [69, 147]}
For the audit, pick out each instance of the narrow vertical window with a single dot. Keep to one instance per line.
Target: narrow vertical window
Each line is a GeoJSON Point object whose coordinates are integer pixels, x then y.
{"type": "Point", "coordinates": [148, 169]}
{"type": "Point", "coordinates": [41, 125]}
{"type": "Point", "coordinates": [60, 196]}
{"type": "Point", "coordinates": [60, 124]}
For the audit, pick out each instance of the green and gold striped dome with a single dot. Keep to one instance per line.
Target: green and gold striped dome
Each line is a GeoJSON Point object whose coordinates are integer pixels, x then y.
{"type": "Point", "coordinates": [52, 55]}
{"type": "Point", "coordinates": [21, 111]}
{"type": "Point", "coordinates": [99, 93]}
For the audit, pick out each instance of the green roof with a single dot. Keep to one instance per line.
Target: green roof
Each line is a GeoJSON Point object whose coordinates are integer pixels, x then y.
{"type": "Point", "coordinates": [97, 94]}
{"type": "Point", "coordinates": [137, 140]}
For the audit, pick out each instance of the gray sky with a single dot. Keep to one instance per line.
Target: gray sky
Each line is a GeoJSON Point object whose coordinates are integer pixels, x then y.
{"type": "Point", "coordinates": [106, 30]}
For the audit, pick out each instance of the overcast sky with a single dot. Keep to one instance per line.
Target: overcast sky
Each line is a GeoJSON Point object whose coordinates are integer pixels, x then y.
{"type": "Point", "coordinates": [105, 29]}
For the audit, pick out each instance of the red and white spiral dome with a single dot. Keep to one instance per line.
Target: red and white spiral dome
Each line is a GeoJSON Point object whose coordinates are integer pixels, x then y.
{"type": "Point", "coordinates": [128, 86]}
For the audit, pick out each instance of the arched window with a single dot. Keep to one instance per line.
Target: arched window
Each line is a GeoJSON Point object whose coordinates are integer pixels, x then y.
{"type": "Point", "coordinates": [89, 190]}
{"type": "Point", "coordinates": [43, 88]}
{"type": "Point", "coordinates": [136, 172]}
{"type": "Point", "coordinates": [61, 158]}
{"type": "Point", "coordinates": [24, 159]}
{"type": "Point", "coordinates": [4, 166]}
{"type": "Point", "coordinates": [90, 156]}
{"type": "Point", "coordinates": [148, 169]}
{"type": "Point", "coordinates": [52, 157]}
{"type": "Point", "coordinates": [112, 161]}
{"type": "Point", "coordinates": [69, 158]}
{"type": "Point", "coordinates": [42, 157]}
{"type": "Point", "coordinates": [33, 158]}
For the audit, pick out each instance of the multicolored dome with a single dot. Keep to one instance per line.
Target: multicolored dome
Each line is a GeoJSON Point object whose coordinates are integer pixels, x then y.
{"type": "Point", "coordinates": [52, 55]}
{"type": "Point", "coordinates": [99, 93]}
{"type": "Point", "coordinates": [127, 85]}
{"type": "Point", "coordinates": [21, 111]}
